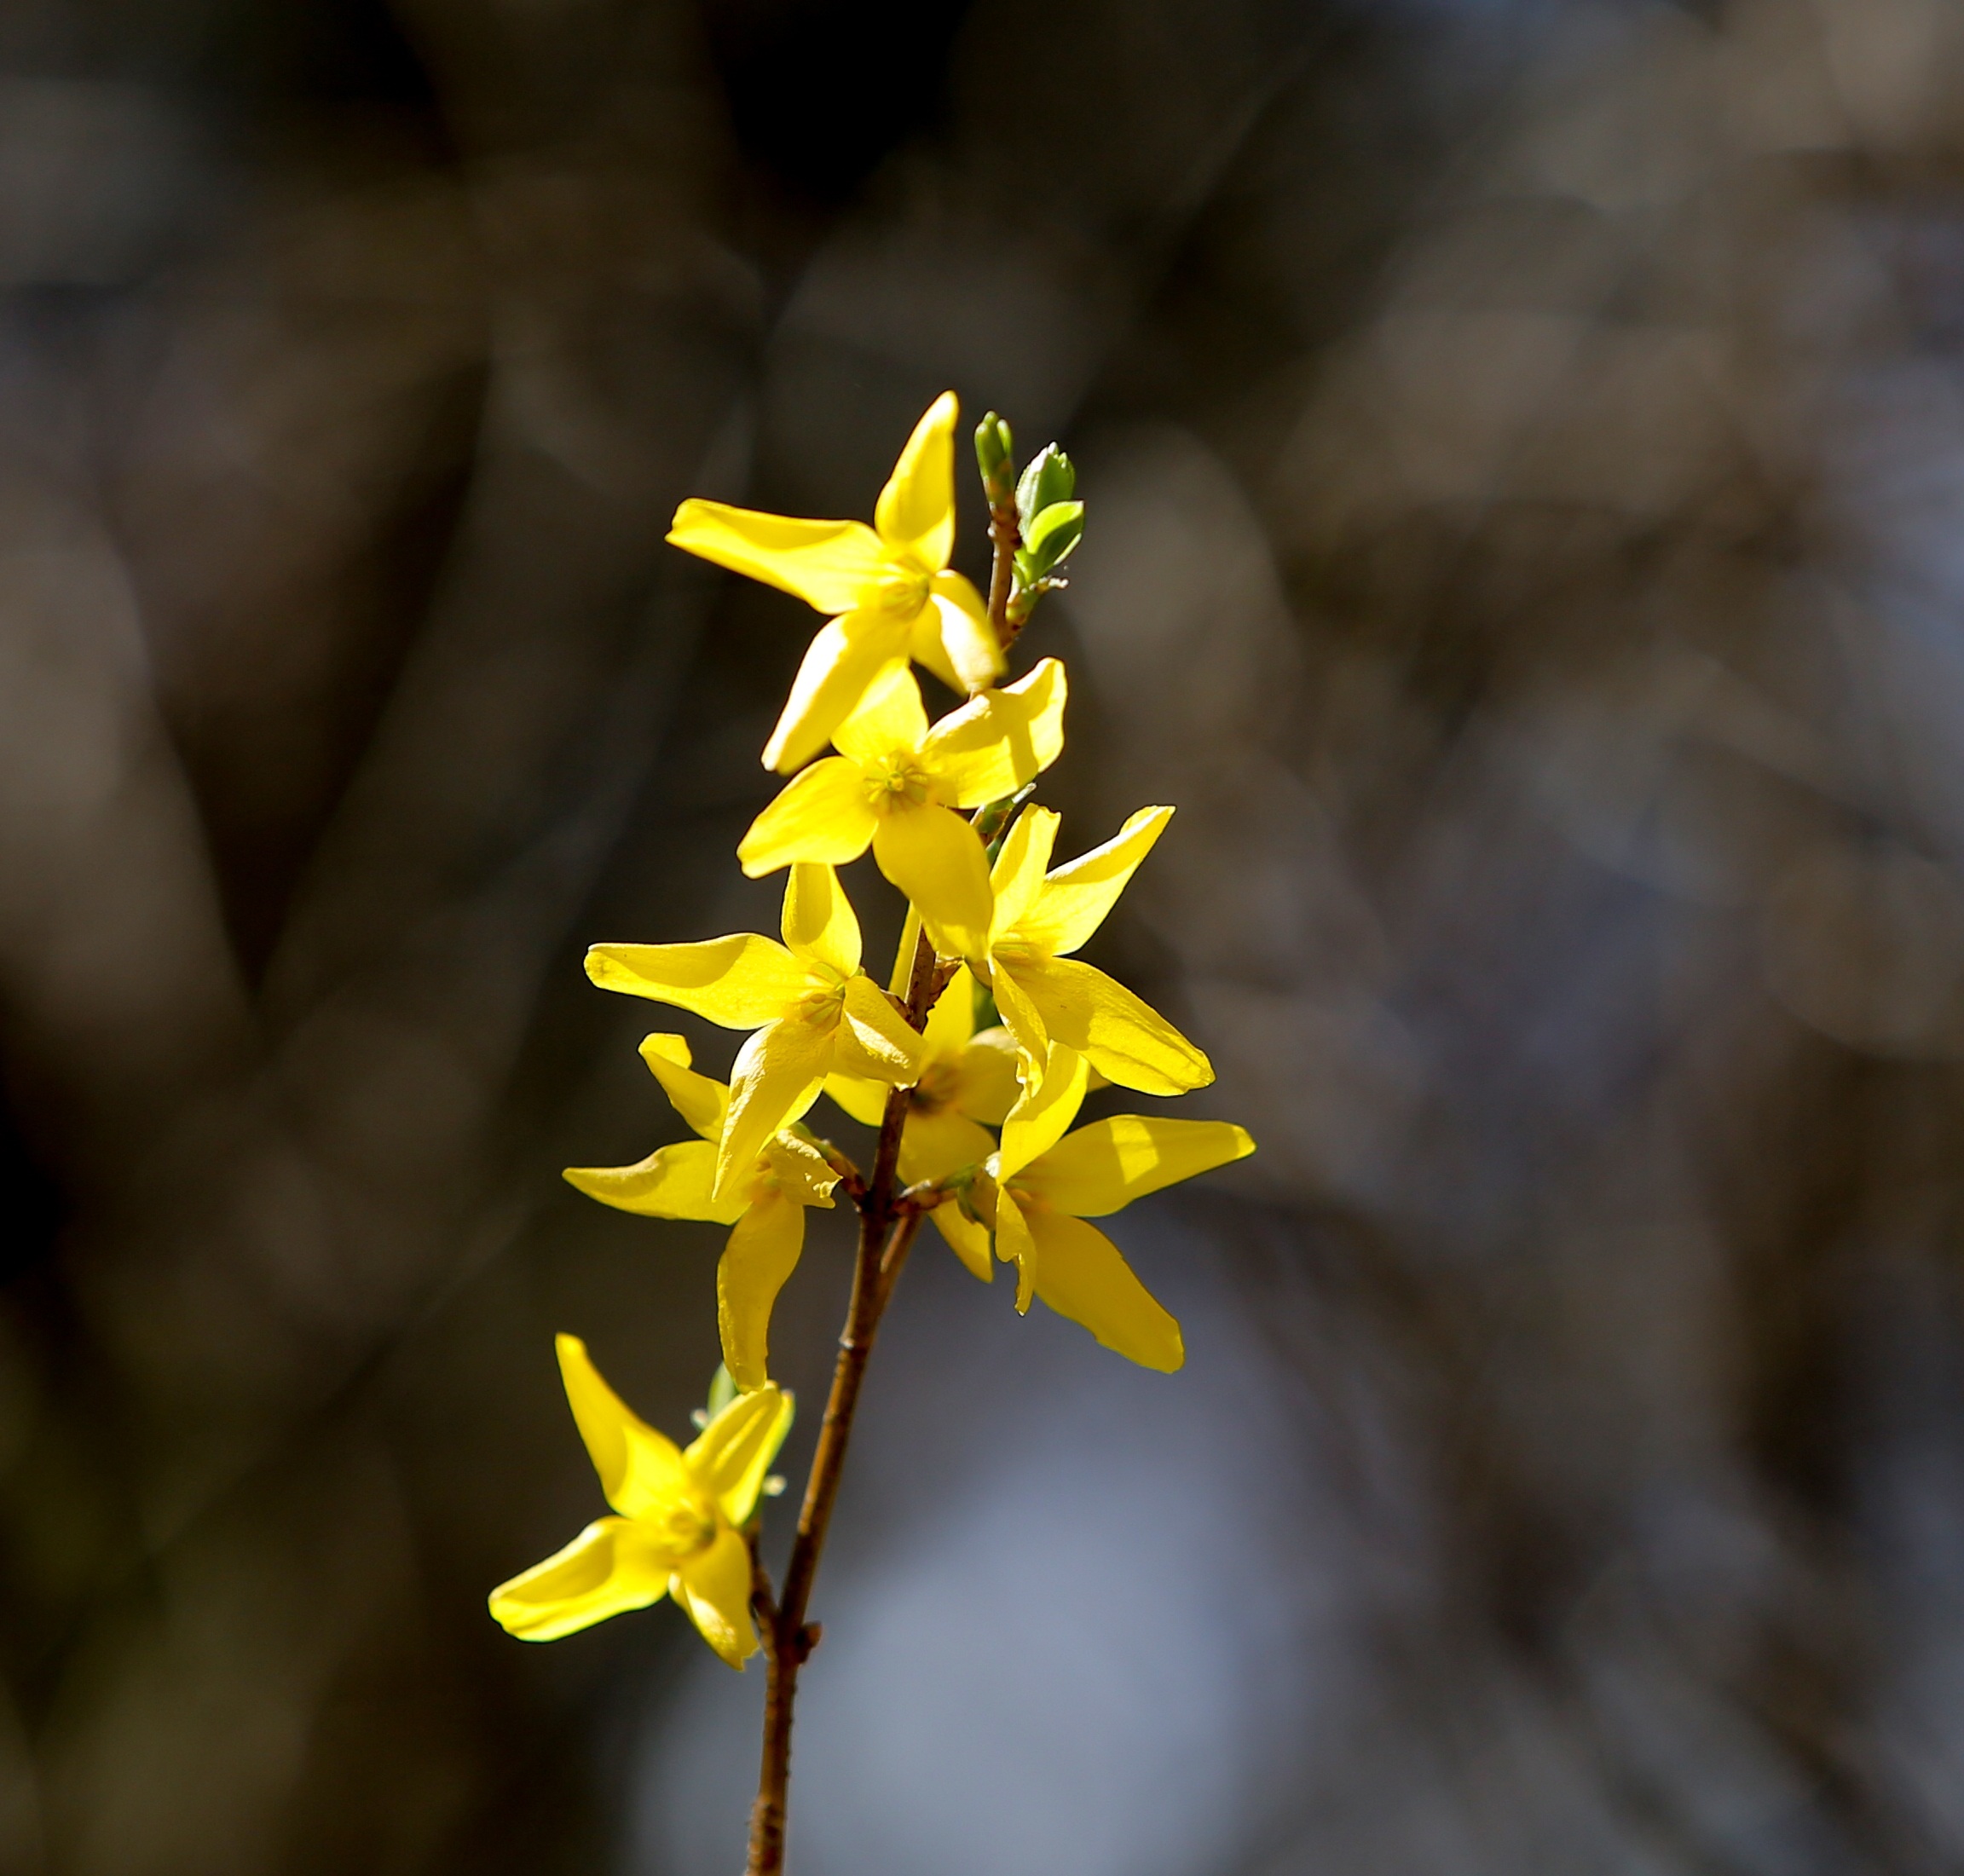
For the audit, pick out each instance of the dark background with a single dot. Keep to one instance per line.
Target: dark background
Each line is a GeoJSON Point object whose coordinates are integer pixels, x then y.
{"type": "Point", "coordinates": [1525, 451]}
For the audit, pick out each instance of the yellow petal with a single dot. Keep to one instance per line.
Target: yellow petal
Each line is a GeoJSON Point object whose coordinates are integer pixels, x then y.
{"type": "Point", "coordinates": [933, 1146]}
{"type": "Point", "coordinates": [803, 1174]}
{"type": "Point", "coordinates": [612, 1566]}
{"type": "Point", "coordinates": [738, 981]}
{"type": "Point", "coordinates": [915, 511]}
{"type": "Point", "coordinates": [968, 1240]}
{"type": "Point", "coordinates": [996, 743]}
{"type": "Point", "coordinates": [1125, 1038]}
{"type": "Point", "coordinates": [829, 564]}
{"type": "Point", "coordinates": [762, 1253]}
{"type": "Point", "coordinates": [875, 1041]}
{"type": "Point", "coordinates": [954, 638]}
{"type": "Point", "coordinates": [1014, 1245]}
{"type": "Point", "coordinates": [1080, 1275]}
{"type": "Point", "coordinates": [699, 1099]}
{"type": "Point", "coordinates": [951, 1019]}
{"type": "Point", "coordinates": [1019, 873]}
{"type": "Point", "coordinates": [842, 660]}
{"type": "Point", "coordinates": [672, 1182]}
{"type": "Point", "coordinates": [782, 1065]}
{"type": "Point", "coordinates": [713, 1585]}
{"type": "Point", "coordinates": [865, 1101]}
{"type": "Point", "coordinates": [1022, 1019]}
{"type": "Point", "coordinates": [1040, 1119]}
{"type": "Point", "coordinates": [822, 814]}
{"type": "Point", "coordinates": [889, 721]}
{"type": "Point", "coordinates": [901, 979]}
{"type": "Point", "coordinates": [733, 1452]}
{"type": "Point", "coordinates": [640, 1470]}
{"type": "Point", "coordinates": [938, 860]}
{"type": "Point", "coordinates": [986, 1087]}
{"type": "Point", "coordinates": [1075, 897]}
{"type": "Point", "coordinates": [1107, 1165]}
{"type": "Point", "coordinates": [818, 922]}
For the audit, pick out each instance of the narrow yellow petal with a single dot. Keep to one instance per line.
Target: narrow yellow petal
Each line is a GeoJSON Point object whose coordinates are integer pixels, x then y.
{"type": "Point", "coordinates": [819, 921]}
{"type": "Point", "coordinates": [986, 1086]}
{"type": "Point", "coordinates": [900, 979]}
{"type": "Point", "coordinates": [610, 1568]}
{"type": "Point", "coordinates": [968, 1240]}
{"type": "Point", "coordinates": [875, 1041]}
{"type": "Point", "coordinates": [915, 511]}
{"type": "Point", "coordinates": [804, 1175]}
{"type": "Point", "coordinates": [640, 1470]}
{"type": "Point", "coordinates": [933, 1146]}
{"type": "Point", "coordinates": [1021, 1018]}
{"type": "Point", "coordinates": [713, 1584]}
{"type": "Point", "coordinates": [820, 814]}
{"type": "Point", "coordinates": [763, 1251]}
{"type": "Point", "coordinates": [672, 1182]}
{"type": "Point", "coordinates": [1014, 1245]}
{"type": "Point", "coordinates": [996, 743]}
{"type": "Point", "coordinates": [1074, 899]}
{"type": "Point", "coordinates": [1041, 1118]}
{"type": "Point", "coordinates": [1080, 1274]}
{"type": "Point", "coordinates": [845, 656]}
{"type": "Point", "coordinates": [953, 638]}
{"type": "Point", "coordinates": [951, 1021]}
{"type": "Point", "coordinates": [781, 1066]}
{"type": "Point", "coordinates": [1104, 1167]}
{"type": "Point", "coordinates": [865, 1101]}
{"type": "Point", "coordinates": [1018, 875]}
{"type": "Point", "coordinates": [699, 1099]}
{"type": "Point", "coordinates": [739, 981]}
{"type": "Point", "coordinates": [733, 1452]}
{"type": "Point", "coordinates": [1127, 1040]}
{"type": "Point", "coordinates": [889, 721]}
{"type": "Point", "coordinates": [829, 564]}
{"type": "Point", "coordinates": [938, 860]}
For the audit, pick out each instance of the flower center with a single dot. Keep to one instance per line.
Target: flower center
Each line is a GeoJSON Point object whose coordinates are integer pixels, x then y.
{"type": "Point", "coordinates": [902, 592]}
{"type": "Point", "coordinates": [684, 1527]}
{"type": "Point", "coordinates": [939, 1084]}
{"type": "Point", "coordinates": [895, 777]}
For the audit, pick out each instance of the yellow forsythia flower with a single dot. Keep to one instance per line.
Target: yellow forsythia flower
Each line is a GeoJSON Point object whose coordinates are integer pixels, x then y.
{"type": "Point", "coordinates": [968, 1082]}
{"type": "Point", "coordinates": [1047, 1182]}
{"type": "Point", "coordinates": [813, 1010]}
{"type": "Point", "coordinates": [766, 1208]}
{"type": "Point", "coordinates": [1045, 995]}
{"type": "Point", "coordinates": [889, 585]}
{"type": "Point", "coordinates": [679, 1531]}
{"type": "Point", "coordinates": [896, 784]}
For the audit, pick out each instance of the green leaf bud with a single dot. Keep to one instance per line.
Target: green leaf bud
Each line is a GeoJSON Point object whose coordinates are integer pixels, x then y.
{"type": "Point", "coordinates": [996, 456]}
{"type": "Point", "coordinates": [1048, 538]}
{"type": "Point", "coordinates": [1050, 478]}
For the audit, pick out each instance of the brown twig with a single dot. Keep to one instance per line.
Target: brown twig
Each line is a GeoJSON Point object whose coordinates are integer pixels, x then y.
{"type": "Point", "coordinates": [888, 1227]}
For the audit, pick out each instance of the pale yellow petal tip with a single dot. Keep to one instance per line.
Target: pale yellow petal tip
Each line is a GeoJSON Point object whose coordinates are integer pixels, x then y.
{"type": "Point", "coordinates": [664, 1047]}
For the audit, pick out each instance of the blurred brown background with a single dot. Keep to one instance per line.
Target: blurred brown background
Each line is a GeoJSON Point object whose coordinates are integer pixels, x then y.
{"type": "Point", "coordinates": [1525, 447]}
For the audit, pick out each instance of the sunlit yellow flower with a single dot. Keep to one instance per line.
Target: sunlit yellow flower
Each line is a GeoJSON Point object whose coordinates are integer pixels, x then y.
{"type": "Point", "coordinates": [888, 583]}
{"type": "Point", "coordinates": [967, 1084]}
{"type": "Point", "coordinates": [896, 784]}
{"type": "Point", "coordinates": [813, 1008]}
{"type": "Point", "coordinates": [1047, 997]}
{"type": "Point", "coordinates": [1047, 1182]}
{"type": "Point", "coordinates": [766, 1208]}
{"type": "Point", "coordinates": [680, 1529]}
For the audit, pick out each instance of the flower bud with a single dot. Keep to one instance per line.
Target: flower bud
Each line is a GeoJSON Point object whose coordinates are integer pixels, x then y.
{"type": "Point", "coordinates": [996, 457]}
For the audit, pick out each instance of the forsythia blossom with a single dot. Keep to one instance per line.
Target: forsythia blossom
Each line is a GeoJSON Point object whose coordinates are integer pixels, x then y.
{"type": "Point", "coordinates": [680, 1528]}
{"type": "Point", "coordinates": [888, 583]}
{"type": "Point", "coordinates": [766, 1207]}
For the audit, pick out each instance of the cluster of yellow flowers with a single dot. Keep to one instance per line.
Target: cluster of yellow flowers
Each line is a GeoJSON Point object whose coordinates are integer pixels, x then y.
{"type": "Point", "coordinates": [989, 1022]}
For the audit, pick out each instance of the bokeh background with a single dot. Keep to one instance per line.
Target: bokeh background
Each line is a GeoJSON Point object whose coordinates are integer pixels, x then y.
{"type": "Point", "coordinates": [1525, 449]}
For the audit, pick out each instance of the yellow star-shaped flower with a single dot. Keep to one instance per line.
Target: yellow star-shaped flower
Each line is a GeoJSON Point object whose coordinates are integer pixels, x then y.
{"type": "Point", "coordinates": [680, 1528]}
{"type": "Point", "coordinates": [1044, 994]}
{"type": "Point", "coordinates": [895, 785]}
{"type": "Point", "coordinates": [967, 1084]}
{"type": "Point", "coordinates": [766, 1209]}
{"type": "Point", "coordinates": [1047, 1182]}
{"type": "Point", "coordinates": [888, 585]}
{"type": "Point", "coordinates": [813, 1008]}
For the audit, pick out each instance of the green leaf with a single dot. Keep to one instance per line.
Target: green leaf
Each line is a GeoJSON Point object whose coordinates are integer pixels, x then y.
{"type": "Point", "coordinates": [1048, 538]}
{"type": "Point", "coordinates": [1050, 479]}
